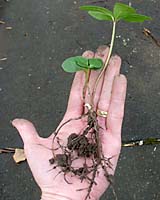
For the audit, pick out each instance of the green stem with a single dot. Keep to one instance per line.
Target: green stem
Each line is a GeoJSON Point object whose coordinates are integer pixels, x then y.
{"type": "Point", "coordinates": [105, 63]}
{"type": "Point", "coordinates": [87, 74]}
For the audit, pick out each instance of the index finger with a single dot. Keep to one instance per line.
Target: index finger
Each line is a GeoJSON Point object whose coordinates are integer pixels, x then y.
{"type": "Point", "coordinates": [75, 102]}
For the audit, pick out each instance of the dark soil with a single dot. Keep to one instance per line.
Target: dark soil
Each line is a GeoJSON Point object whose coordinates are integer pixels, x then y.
{"type": "Point", "coordinates": [85, 145]}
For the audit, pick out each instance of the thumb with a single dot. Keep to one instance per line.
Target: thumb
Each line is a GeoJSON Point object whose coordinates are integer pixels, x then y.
{"type": "Point", "coordinates": [26, 130]}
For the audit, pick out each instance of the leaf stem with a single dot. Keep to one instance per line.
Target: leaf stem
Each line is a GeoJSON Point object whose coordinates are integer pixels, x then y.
{"type": "Point", "coordinates": [105, 63]}
{"type": "Point", "coordinates": [87, 74]}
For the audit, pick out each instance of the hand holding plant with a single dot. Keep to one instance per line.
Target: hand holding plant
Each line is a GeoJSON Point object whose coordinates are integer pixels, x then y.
{"type": "Point", "coordinates": [37, 149]}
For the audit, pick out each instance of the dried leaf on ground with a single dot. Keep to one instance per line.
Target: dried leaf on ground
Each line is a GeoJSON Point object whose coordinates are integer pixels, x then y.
{"type": "Point", "coordinates": [148, 33]}
{"type": "Point", "coordinates": [19, 155]}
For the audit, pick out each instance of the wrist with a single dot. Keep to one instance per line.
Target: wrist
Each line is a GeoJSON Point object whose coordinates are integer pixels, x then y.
{"type": "Point", "coordinates": [49, 196]}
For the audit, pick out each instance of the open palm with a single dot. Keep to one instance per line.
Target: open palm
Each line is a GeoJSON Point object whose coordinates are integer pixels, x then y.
{"type": "Point", "coordinates": [110, 97]}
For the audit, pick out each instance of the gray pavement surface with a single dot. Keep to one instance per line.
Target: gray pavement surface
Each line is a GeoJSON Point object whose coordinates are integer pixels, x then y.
{"type": "Point", "coordinates": [33, 86]}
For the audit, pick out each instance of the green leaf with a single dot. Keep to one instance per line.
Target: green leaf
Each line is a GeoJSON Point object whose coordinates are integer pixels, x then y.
{"type": "Point", "coordinates": [127, 13]}
{"type": "Point", "coordinates": [70, 65]}
{"type": "Point", "coordinates": [95, 63]}
{"type": "Point", "coordinates": [99, 10]}
{"type": "Point", "coordinates": [121, 10]}
{"type": "Point", "coordinates": [81, 61]}
{"type": "Point", "coordinates": [136, 18]}
{"type": "Point", "coordinates": [99, 16]}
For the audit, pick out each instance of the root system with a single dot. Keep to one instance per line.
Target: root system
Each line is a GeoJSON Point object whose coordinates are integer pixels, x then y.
{"type": "Point", "coordinates": [85, 146]}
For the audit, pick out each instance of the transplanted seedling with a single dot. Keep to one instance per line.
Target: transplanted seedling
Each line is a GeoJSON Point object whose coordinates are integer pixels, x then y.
{"type": "Point", "coordinates": [88, 143]}
{"type": "Point", "coordinates": [79, 63]}
{"type": "Point", "coordinates": [120, 12]}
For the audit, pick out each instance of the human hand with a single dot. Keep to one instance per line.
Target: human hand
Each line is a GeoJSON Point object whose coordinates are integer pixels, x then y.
{"type": "Point", "coordinates": [110, 97]}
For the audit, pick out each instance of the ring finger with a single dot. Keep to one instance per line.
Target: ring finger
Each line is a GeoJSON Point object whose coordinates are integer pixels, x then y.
{"type": "Point", "coordinates": [112, 70]}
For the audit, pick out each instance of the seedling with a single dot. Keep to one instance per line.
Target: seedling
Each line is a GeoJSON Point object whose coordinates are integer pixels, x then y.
{"type": "Point", "coordinates": [79, 63]}
{"type": "Point", "coordinates": [87, 144]}
{"type": "Point", "coordinates": [120, 12]}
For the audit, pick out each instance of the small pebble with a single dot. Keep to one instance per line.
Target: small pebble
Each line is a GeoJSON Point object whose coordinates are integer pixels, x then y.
{"type": "Point", "coordinates": [118, 36]}
{"type": "Point", "coordinates": [134, 50]}
{"type": "Point", "coordinates": [124, 42]}
{"type": "Point", "coordinates": [9, 28]}
{"type": "Point", "coordinates": [155, 148]}
{"type": "Point", "coordinates": [2, 22]}
{"type": "Point", "coordinates": [130, 4]}
{"type": "Point", "coordinates": [141, 143]}
{"type": "Point", "coordinates": [3, 59]}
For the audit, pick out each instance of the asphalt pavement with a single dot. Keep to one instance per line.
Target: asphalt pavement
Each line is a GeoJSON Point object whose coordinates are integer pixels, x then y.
{"type": "Point", "coordinates": [35, 39]}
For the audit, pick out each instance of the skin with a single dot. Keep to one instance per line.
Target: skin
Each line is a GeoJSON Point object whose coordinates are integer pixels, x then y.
{"type": "Point", "coordinates": [110, 97]}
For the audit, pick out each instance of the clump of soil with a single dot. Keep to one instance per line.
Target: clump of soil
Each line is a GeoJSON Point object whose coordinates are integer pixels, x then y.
{"type": "Point", "coordinates": [86, 145]}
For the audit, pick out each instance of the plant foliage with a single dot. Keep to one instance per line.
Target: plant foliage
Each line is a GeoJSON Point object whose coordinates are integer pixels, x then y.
{"type": "Point", "coordinates": [120, 12]}
{"type": "Point", "coordinates": [79, 63]}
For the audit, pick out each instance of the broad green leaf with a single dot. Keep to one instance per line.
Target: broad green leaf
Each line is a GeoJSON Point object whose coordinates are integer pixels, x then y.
{"type": "Point", "coordinates": [81, 61]}
{"type": "Point", "coordinates": [95, 63]}
{"type": "Point", "coordinates": [99, 16]}
{"type": "Point", "coordinates": [70, 65]}
{"type": "Point", "coordinates": [99, 10]}
{"type": "Point", "coordinates": [121, 10]}
{"type": "Point", "coordinates": [136, 18]}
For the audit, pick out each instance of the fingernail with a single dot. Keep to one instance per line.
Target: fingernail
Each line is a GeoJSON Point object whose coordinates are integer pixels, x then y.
{"type": "Point", "coordinates": [102, 48]}
{"type": "Point", "coordinates": [115, 56]}
{"type": "Point", "coordinates": [114, 59]}
{"type": "Point", "coordinates": [121, 78]}
{"type": "Point", "coordinates": [88, 54]}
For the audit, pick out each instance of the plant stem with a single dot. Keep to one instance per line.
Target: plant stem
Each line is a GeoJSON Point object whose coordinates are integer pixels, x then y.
{"type": "Point", "coordinates": [105, 63]}
{"type": "Point", "coordinates": [87, 74]}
